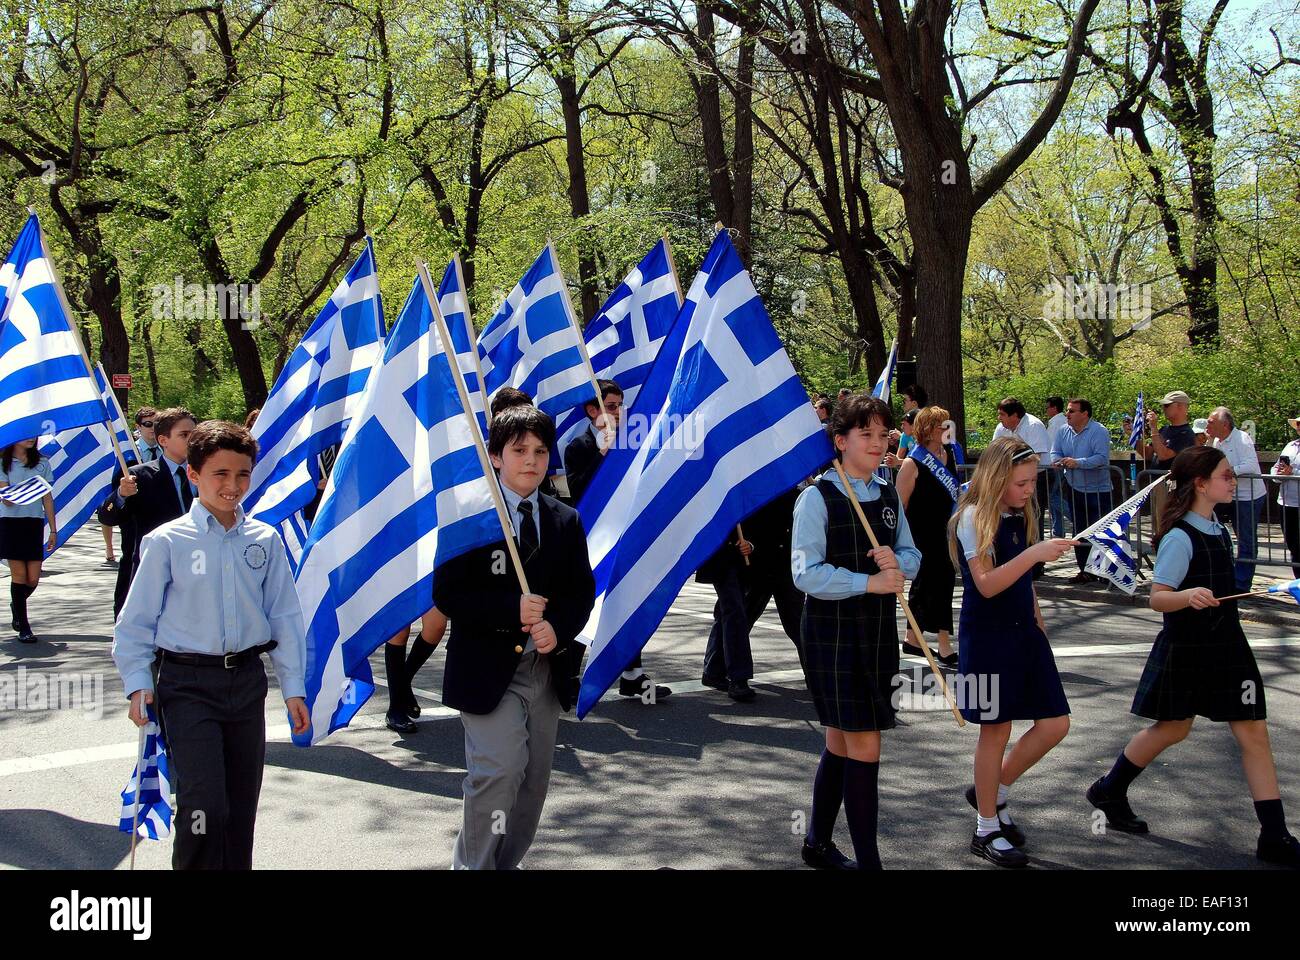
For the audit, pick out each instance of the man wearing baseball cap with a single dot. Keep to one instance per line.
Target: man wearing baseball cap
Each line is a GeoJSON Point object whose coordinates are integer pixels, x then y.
{"type": "Point", "coordinates": [1176, 436]}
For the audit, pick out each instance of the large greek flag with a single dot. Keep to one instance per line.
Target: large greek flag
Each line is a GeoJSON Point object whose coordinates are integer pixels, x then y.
{"type": "Point", "coordinates": [1112, 556]}
{"type": "Point", "coordinates": [83, 462]}
{"type": "Point", "coordinates": [454, 304]}
{"type": "Point", "coordinates": [407, 492]}
{"type": "Point", "coordinates": [532, 343]}
{"type": "Point", "coordinates": [45, 383]}
{"type": "Point", "coordinates": [316, 394]}
{"type": "Point", "coordinates": [731, 428]}
{"type": "Point", "coordinates": [152, 778]}
{"type": "Point", "coordinates": [624, 338]}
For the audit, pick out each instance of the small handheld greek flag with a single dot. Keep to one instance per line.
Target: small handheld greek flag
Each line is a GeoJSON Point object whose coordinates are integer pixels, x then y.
{"type": "Point", "coordinates": [885, 383]}
{"type": "Point", "coordinates": [30, 490]}
{"type": "Point", "coordinates": [1293, 588]}
{"type": "Point", "coordinates": [1138, 417]}
{"type": "Point", "coordinates": [1112, 555]}
{"type": "Point", "coordinates": [152, 778]}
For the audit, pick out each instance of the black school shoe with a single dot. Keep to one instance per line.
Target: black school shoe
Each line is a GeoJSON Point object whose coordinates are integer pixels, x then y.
{"type": "Point", "coordinates": [640, 686]}
{"type": "Point", "coordinates": [400, 723]}
{"type": "Point", "coordinates": [741, 691]}
{"type": "Point", "coordinates": [1284, 852]}
{"type": "Point", "coordinates": [983, 847]}
{"type": "Point", "coordinates": [1119, 815]}
{"type": "Point", "coordinates": [715, 684]}
{"type": "Point", "coordinates": [826, 856]}
{"type": "Point", "coordinates": [1015, 836]}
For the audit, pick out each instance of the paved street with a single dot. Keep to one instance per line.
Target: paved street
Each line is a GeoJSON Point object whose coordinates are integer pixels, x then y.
{"type": "Point", "coordinates": [694, 782]}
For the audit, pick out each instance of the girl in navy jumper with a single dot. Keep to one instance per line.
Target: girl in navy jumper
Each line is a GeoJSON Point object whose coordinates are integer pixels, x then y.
{"type": "Point", "coordinates": [1006, 669]}
{"type": "Point", "coordinates": [1201, 664]}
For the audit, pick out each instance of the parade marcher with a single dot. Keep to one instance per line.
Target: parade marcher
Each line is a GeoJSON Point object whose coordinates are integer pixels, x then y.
{"type": "Point", "coordinates": [150, 494]}
{"type": "Point", "coordinates": [1244, 510]}
{"type": "Point", "coordinates": [1288, 495]}
{"type": "Point", "coordinates": [145, 420]}
{"type": "Point", "coordinates": [1057, 502]}
{"type": "Point", "coordinates": [769, 530]}
{"type": "Point", "coordinates": [1201, 664]}
{"type": "Point", "coordinates": [928, 489]}
{"type": "Point", "coordinates": [728, 660]}
{"type": "Point", "coordinates": [1082, 451]}
{"type": "Point", "coordinates": [22, 526]}
{"type": "Point", "coordinates": [147, 443]}
{"type": "Point", "coordinates": [1007, 671]}
{"type": "Point", "coordinates": [513, 659]}
{"type": "Point", "coordinates": [849, 632]}
{"type": "Point", "coordinates": [213, 592]}
{"type": "Point", "coordinates": [824, 407]}
{"type": "Point", "coordinates": [400, 669]}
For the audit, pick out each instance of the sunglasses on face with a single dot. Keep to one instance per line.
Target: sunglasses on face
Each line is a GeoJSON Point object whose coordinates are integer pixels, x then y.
{"type": "Point", "coordinates": [145, 423]}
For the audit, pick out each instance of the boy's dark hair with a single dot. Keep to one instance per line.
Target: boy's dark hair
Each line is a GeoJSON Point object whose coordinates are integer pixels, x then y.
{"type": "Point", "coordinates": [1012, 407]}
{"type": "Point", "coordinates": [508, 397]}
{"type": "Point", "coordinates": [511, 425]}
{"type": "Point", "coordinates": [917, 393]}
{"type": "Point", "coordinates": [607, 387]}
{"type": "Point", "coordinates": [1084, 405]}
{"type": "Point", "coordinates": [143, 414]}
{"type": "Point", "coordinates": [32, 457]}
{"type": "Point", "coordinates": [213, 435]}
{"type": "Point", "coordinates": [165, 421]}
{"type": "Point", "coordinates": [1057, 402]}
{"type": "Point", "coordinates": [825, 403]}
{"type": "Point", "coordinates": [856, 411]}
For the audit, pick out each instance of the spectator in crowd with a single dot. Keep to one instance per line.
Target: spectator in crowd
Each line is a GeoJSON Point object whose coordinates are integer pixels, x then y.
{"type": "Point", "coordinates": [825, 407]}
{"type": "Point", "coordinates": [1243, 513]}
{"type": "Point", "coordinates": [902, 440]}
{"type": "Point", "coordinates": [1015, 421]}
{"type": "Point", "coordinates": [1056, 502]}
{"type": "Point", "coordinates": [914, 397]}
{"type": "Point", "coordinates": [1176, 435]}
{"type": "Point", "coordinates": [1082, 451]}
{"type": "Point", "coordinates": [1200, 426]}
{"type": "Point", "coordinates": [1288, 496]}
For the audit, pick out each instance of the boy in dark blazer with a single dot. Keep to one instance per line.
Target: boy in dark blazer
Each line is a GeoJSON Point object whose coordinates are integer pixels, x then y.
{"type": "Point", "coordinates": [513, 659]}
{"type": "Point", "coordinates": [150, 494]}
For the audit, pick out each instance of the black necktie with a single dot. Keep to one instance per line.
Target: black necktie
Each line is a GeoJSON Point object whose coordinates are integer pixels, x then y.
{"type": "Point", "coordinates": [527, 532]}
{"type": "Point", "coordinates": [186, 496]}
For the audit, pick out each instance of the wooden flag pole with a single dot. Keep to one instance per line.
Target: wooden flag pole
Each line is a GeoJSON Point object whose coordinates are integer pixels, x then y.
{"type": "Point", "coordinates": [118, 410]}
{"type": "Point", "coordinates": [907, 610]}
{"type": "Point", "coordinates": [1238, 596]}
{"type": "Point", "coordinates": [139, 786]}
{"type": "Point", "coordinates": [582, 343]}
{"type": "Point", "coordinates": [67, 310]}
{"type": "Point", "coordinates": [498, 499]}
{"type": "Point", "coordinates": [672, 266]}
{"type": "Point", "coordinates": [473, 335]}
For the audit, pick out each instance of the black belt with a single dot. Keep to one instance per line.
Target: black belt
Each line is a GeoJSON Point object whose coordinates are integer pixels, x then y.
{"type": "Point", "coordinates": [228, 661]}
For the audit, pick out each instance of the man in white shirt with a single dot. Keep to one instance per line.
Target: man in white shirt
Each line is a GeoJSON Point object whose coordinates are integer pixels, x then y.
{"type": "Point", "coordinates": [1288, 495]}
{"type": "Point", "coordinates": [1057, 503]}
{"type": "Point", "coordinates": [1243, 513]}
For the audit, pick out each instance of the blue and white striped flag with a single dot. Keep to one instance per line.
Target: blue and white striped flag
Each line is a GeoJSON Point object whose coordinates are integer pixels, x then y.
{"type": "Point", "coordinates": [533, 344]}
{"type": "Point", "coordinates": [1139, 418]}
{"type": "Point", "coordinates": [152, 778]}
{"type": "Point", "coordinates": [1112, 556]}
{"type": "Point", "coordinates": [730, 428]}
{"type": "Point", "coordinates": [316, 395]}
{"type": "Point", "coordinates": [30, 490]}
{"type": "Point", "coordinates": [454, 305]}
{"type": "Point", "coordinates": [884, 384]}
{"type": "Point", "coordinates": [624, 338]}
{"type": "Point", "coordinates": [407, 492]}
{"type": "Point", "coordinates": [1292, 587]}
{"type": "Point", "coordinates": [82, 461]}
{"type": "Point", "coordinates": [45, 382]}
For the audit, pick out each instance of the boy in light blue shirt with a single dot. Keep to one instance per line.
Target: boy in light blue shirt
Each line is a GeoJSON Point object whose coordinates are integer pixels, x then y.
{"type": "Point", "coordinates": [212, 593]}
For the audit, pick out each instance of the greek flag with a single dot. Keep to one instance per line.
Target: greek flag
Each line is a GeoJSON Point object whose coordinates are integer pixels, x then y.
{"type": "Point", "coordinates": [532, 343]}
{"type": "Point", "coordinates": [407, 492]}
{"type": "Point", "coordinates": [83, 463]}
{"type": "Point", "coordinates": [152, 778]}
{"type": "Point", "coordinates": [624, 338]}
{"type": "Point", "coordinates": [30, 490]}
{"type": "Point", "coordinates": [45, 383]}
{"type": "Point", "coordinates": [1293, 588]}
{"type": "Point", "coordinates": [316, 394]}
{"type": "Point", "coordinates": [730, 428]}
{"type": "Point", "coordinates": [454, 305]}
{"type": "Point", "coordinates": [1112, 555]}
{"type": "Point", "coordinates": [886, 380]}
{"type": "Point", "coordinates": [1138, 417]}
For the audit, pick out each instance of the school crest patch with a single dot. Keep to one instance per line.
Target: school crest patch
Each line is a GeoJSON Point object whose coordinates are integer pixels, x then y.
{"type": "Point", "coordinates": [255, 556]}
{"type": "Point", "coordinates": [890, 518]}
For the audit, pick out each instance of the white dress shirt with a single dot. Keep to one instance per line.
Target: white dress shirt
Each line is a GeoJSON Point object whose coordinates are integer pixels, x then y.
{"type": "Point", "coordinates": [1240, 451]}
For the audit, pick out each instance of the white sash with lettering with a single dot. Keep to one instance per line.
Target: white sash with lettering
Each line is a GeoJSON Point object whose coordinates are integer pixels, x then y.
{"type": "Point", "coordinates": [936, 467]}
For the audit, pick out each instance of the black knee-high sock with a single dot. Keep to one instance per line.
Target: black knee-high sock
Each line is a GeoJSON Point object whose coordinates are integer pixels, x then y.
{"type": "Point", "coordinates": [1125, 771]}
{"type": "Point", "coordinates": [1272, 821]}
{"type": "Point", "coordinates": [420, 651]}
{"type": "Point", "coordinates": [395, 671]}
{"type": "Point", "coordinates": [860, 810]}
{"type": "Point", "coordinates": [20, 592]}
{"type": "Point", "coordinates": [828, 795]}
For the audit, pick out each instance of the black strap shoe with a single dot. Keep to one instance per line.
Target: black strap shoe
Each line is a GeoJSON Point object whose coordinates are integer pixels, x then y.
{"type": "Point", "coordinates": [740, 691]}
{"type": "Point", "coordinates": [1285, 852]}
{"type": "Point", "coordinates": [400, 723]}
{"type": "Point", "coordinates": [983, 847]}
{"type": "Point", "coordinates": [826, 856]}
{"type": "Point", "coordinates": [1015, 836]}
{"type": "Point", "coordinates": [1119, 815]}
{"type": "Point", "coordinates": [26, 636]}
